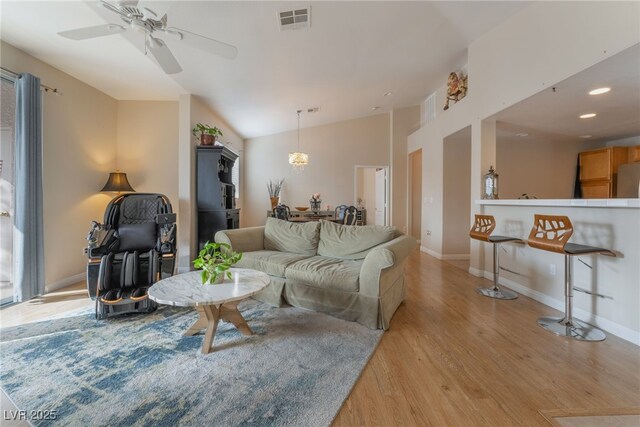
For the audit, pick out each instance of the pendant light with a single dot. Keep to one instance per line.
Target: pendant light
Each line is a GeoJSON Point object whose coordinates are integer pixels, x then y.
{"type": "Point", "coordinates": [298, 159]}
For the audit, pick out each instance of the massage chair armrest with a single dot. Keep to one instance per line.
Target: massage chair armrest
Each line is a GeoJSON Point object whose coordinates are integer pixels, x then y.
{"type": "Point", "coordinates": [101, 242]}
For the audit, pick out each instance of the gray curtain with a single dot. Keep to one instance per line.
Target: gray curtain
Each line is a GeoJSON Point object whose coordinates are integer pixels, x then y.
{"type": "Point", "coordinates": [28, 252]}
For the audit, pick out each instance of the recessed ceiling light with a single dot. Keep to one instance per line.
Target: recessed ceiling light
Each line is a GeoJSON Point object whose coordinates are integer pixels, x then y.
{"type": "Point", "coordinates": [375, 108]}
{"type": "Point", "coordinates": [585, 136]}
{"type": "Point", "coordinates": [588, 115]}
{"type": "Point", "coordinates": [599, 91]}
{"type": "Point", "coordinates": [388, 93]}
{"type": "Point", "coordinates": [522, 134]}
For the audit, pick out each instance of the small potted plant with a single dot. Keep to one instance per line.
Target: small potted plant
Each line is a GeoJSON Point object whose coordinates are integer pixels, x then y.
{"type": "Point", "coordinates": [206, 133]}
{"type": "Point", "coordinates": [215, 260]}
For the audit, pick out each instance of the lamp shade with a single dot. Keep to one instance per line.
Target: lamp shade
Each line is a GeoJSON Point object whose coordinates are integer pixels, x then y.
{"type": "Point", "coordinates": [117, 182]}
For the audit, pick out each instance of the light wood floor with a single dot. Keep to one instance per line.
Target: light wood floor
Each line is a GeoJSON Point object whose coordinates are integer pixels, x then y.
{"type": "Point", "coordinates": [454, 358]}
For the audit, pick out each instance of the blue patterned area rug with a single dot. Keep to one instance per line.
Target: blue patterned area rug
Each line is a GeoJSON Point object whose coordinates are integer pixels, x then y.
{"type": "Point", "coordinates": [139, 370]}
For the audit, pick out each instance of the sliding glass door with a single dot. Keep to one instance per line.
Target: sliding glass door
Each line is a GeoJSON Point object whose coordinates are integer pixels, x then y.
{"type": "Point", "coordinates": [7, 145]}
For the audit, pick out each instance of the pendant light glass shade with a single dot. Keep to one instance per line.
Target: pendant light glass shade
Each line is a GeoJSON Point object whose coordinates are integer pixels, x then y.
{"type": "Point", "coordinates": [117, 182]}
{"type": "Point", "coordinates": [298, 159]}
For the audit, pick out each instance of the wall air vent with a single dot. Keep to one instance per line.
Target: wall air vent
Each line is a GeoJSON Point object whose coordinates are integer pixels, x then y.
{"type": "Point", "coordinates": [295, 19]}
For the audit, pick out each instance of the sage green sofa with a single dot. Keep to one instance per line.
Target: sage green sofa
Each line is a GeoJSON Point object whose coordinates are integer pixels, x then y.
{"type": "Point", "coordinates": [351, 272]}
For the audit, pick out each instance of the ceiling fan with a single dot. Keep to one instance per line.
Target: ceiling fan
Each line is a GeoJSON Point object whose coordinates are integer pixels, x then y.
{"type": "Point", "coordinates": [145, 21]}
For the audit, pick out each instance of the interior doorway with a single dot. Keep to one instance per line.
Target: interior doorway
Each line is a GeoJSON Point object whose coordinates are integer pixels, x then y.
{"type": "Point", "coordinates": [457, 195]}
{"type": "Point", "coordinates": [372, 193]}
{"type": "Point", "coordinates": [415, 195]}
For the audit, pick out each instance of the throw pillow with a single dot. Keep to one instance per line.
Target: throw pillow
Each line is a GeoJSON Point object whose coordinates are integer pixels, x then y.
{"type": "Point", "coordinates": [351, 242]}
{"type": "Point", "coordinates": [297, 238]}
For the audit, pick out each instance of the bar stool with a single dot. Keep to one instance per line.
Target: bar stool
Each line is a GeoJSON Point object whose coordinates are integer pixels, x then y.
{"type": "Point", "coordinates": [481, 230]}
{"type": "Point", "coordinates": [552, 233]}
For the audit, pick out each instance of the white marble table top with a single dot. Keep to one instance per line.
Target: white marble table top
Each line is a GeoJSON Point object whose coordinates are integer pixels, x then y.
{"type": "Point", "coordinates": [186, 289]}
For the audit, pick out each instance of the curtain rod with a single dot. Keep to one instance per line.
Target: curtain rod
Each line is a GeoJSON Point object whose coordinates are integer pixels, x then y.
{"type": "Point", "coordinates": [44, 87]}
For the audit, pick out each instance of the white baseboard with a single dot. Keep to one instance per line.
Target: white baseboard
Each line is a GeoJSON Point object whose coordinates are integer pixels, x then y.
{"type": "Point", "coordinates": [430, 252]}
{"type": "Point", "coordinates": [476, 272]}
{"type": "Point", "coordinates": [455, 257]}
{"type": "Point", "coordinates": [62, 283]}
{"type": "Point", "coordinates": [445, 257]}
{"type": "Point", "coordinates": [609, 326]}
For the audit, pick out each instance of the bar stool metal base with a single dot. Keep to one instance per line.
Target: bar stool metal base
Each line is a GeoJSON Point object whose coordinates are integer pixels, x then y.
{"type": "Point", "coordinates": [572, 329]}
{"type": "Point", "coordinates": [497, 293]}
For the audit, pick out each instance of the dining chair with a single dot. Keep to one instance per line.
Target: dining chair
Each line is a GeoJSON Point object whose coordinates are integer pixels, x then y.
{"type": "Point", "coordinates": [338, 212]}
{"type": "Point", "coordinates": [350, 216]}
{"type": "Point", "coordinates": [282, 212]}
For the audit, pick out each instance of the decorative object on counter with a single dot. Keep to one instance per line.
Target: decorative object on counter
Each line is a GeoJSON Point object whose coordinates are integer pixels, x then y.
{"type": "Point", "coordinates": [206, 134]}
{"type": "Point", "coordinates": [490, 185]}
{"type": "Point", "coordinates": [274, 188]}
{"type": "Point", "coordinates": [525, 196]}
{"type": "Point", "coordinates": [360, 203]}
{"type": "Point", "coordinates": [456, 88]}
{"type": "Point", "coordinates": [301, 208]}
{"type": "Point", "coordinates": [215, 260]}
{"type": "Point", "coordinates": [327, 207]}
{"type": "Point", "coordinates": [298, 159]}
{"type": "Point", "coordinates": [315, 202]}
{"type": "Point", "coordinates": [282, 212]}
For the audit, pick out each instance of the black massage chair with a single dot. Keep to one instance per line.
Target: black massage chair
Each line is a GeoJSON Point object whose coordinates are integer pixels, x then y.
{"type": "Point", "coordinates": [134, 248]}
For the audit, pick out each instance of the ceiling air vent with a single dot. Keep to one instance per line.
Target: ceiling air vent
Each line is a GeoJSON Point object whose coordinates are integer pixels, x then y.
{"type": "Point", "coordinates": [294, 19]}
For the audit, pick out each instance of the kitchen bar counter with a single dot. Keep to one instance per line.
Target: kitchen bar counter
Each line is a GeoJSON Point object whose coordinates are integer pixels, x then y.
{"type": "Point", "coordinates": [608, 223]}
{"type": "Point", "coordinates": [588, 203]}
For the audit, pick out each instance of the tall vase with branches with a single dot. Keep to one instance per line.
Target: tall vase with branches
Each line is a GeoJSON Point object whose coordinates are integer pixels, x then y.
{"type": "Point", "coordinates": [274, 187]}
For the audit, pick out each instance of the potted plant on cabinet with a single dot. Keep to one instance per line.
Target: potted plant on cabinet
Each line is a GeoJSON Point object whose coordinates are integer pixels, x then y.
{"type": "Point", "coordinates": [206, 133]}
{"type": "Point", "coordinates": [215, 260]}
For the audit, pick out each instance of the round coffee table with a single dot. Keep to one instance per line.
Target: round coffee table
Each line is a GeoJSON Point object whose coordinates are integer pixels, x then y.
{"type": "Point", "coordinates": [213, 302]}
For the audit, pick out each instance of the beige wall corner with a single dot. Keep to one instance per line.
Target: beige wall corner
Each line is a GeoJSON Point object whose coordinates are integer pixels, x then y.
{"type": "Point", "coordinates": [148, 146]}
{"type": "Point", "coordinates": [79, 149]}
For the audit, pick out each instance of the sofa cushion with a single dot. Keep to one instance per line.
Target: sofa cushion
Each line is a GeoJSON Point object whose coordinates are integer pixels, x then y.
{"type": "Point", "coordinates": [296, 238]}
{"type": "Point", "coordinates": [351, 242]}
{"type": "Point", "coordinates": [270, 262]}
{"type": "Point", "coordinates": [325, 272]}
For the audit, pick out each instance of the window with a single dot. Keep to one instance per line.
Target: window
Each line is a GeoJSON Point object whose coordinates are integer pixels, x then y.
{"type": "Point", "coordinates": [235, 176]}
{"type": "Point", "coordinates": [7, 144]}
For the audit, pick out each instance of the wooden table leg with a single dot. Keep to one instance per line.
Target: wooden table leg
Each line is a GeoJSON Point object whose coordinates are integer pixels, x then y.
{"type": "Point", "coordinates": [229, 313]}
{"type": "Point", "coordinates": [199, 324]}
{"type": "Point", "coordinates": [212, 314]}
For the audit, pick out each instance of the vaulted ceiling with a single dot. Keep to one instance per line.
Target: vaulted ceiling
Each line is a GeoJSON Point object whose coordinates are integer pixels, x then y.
{"type": "Point", "coordinates": [353, 53]}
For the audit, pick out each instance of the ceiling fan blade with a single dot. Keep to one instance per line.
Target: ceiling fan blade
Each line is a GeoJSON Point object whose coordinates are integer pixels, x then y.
{"type": "Point", "coordinates": [206, 44]}
{"type": "Point", "coordinates": [110, 7]}
{"type": "Point", "coordinates": [163, 55]}
{"type": "Point", "coordinates": [91, 32]}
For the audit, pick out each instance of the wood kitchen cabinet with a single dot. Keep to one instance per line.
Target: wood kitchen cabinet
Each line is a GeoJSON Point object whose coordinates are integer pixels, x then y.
{"type": "Point", "coordinates": [598, 171]}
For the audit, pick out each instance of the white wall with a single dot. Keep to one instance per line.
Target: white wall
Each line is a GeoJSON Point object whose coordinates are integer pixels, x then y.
{"type": "Point", "coordinates": [79, 142]}
{"type": "Point", "coordinates": [333, 149]}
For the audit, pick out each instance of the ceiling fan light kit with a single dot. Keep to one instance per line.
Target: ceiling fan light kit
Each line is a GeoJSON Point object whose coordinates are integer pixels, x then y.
{"type": "Point", "coordinates": [142, 20]}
